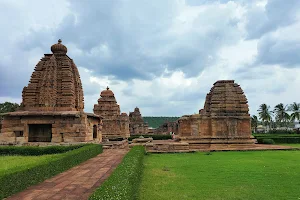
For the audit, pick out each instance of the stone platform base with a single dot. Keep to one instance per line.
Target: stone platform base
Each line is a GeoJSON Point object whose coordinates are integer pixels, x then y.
{"type": "Point", "coordinates": [140, 142]}
{"type": "Point", "coordinates": [167, 146]}
{"type": "Point", "coordinates": [218, 140]}
{"type": "Point", "coordinates": [160, 146]}
{"type": "Point", "coordinates": [115, 144]}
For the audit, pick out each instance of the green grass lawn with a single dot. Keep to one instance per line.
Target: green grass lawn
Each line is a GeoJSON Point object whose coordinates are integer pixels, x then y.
{"type": "Point", "coordinates": [9, 164]}
{"type": "Point", "coordinates": [222, 175]}
{"type": "Point", "coordinates": [291, 145]}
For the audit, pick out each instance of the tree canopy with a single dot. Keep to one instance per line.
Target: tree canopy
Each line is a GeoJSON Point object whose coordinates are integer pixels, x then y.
{"type": "Point", "coordinates": [8, 107]}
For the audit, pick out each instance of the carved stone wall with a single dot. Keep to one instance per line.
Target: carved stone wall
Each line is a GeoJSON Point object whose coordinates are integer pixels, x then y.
{"type": "Point", "coordinates": [70, 127]}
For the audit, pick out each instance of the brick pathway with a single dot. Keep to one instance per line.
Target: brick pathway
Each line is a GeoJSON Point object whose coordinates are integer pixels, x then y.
{"type": "Point", "coordinates": [78, 182]}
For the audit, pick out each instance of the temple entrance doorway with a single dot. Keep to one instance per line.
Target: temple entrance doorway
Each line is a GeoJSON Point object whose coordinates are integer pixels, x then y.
{"type": "Point", "coordinates": [40, 133]}
{"type": "Point", "coordinates": [94, 131]}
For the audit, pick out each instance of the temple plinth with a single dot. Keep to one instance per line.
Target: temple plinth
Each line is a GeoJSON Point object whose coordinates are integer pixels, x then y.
{"type": "Point", "coordinates": [52, 105]}
{"type": "Point", "coordinates": [115, 123]}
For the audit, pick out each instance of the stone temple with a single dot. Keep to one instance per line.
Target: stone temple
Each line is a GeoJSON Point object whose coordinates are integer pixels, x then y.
{"type": "Point", "coordinates": [223, 123]}
{"type": "Point", "coordinates": [115, 125]}
{"type": "Point", "coordinates": [137, 125]}
{"type": "Point", "coordinates": [225, 118]}
{"type": "Point", "coordinates": [52, 105]}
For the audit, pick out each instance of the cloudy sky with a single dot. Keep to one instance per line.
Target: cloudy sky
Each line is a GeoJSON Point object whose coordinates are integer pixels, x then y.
{"type": "Point", "coordinates": [160, 55]}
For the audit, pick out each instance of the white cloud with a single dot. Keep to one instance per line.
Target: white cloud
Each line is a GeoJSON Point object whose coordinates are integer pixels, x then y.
{"type": "Point", "coordinates": [244, 52]}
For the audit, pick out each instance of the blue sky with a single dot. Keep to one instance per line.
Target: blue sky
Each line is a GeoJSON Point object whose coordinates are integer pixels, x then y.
{"type": "Point", "coordinates": [160, 55]}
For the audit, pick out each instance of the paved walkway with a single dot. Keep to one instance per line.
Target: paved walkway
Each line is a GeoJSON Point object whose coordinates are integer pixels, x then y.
{"type": "Point", "coordinates": [78, 182]}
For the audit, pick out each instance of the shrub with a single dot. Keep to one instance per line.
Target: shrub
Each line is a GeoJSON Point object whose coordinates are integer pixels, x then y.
{"type": "Point", "coordinates": [265, 135]}
{"type": "Point", "coordinates": [35, 151]}
{"type": "Point", "coordinates": [287, 140]}
{"type": "Point", "coordinates": [116, 139]}
{"type": "Point", "coordinates": [278, 140]}
{"type": "Point", "coordinates": [14, 182]}
{"type": "Point", "coordinates": [281, 131]}
{"type": "Point", "coordinates": [266, 141]}
{"type": "Point", "coordinates": [125, 180]}
{"type": "Point", "coordinates": [155, 137]}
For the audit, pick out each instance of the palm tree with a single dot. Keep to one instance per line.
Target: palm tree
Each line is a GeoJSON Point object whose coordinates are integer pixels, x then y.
{"type": "Point", "coordinates": [264, 114]}
{"type": "Point", "coordinates": [295, 109]}
{"type": "Point", "coordinates": [281, 114]}
{"type": "Point", "coordinates": [254, 123]}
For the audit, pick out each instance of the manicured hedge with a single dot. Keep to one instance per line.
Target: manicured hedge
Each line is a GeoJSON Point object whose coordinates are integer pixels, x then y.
{"type": "Point", "coordinates": [282, 132]}
{"type": "Point", "coordinates": [267, 141]}
{"type": "Point", "coordinates": [279, 140]}
{"type": "Point", "coordinates": [259, 135]}
{"type": "Point", "coordinates": [155, 137]}
{"type": "Point", "coordinates": [14, 182]}
{"type": "Point", "coordinates": [35, 151]}
{"type": "Point", "coordinates": [125, 180]}
{"type": "Point", "coordinates": [279, 132]}
{"type": "Point", "coordinates": [278, 137]}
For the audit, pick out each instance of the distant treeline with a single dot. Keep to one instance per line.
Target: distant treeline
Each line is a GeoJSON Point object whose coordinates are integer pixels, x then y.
{"type": "Point", "coordinates": [155, 122]}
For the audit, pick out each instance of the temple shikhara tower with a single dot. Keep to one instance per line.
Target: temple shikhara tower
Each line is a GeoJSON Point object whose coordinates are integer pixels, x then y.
{"type": "Point", "coordinates": [225, 118]}
{"type": "Point", "coordinates": [55, 84]}
{"type": "Point", "coordinates": [223, 123]}
{"type": "Point", "coordinates": [137, 125]}
{"type": "Point", "coordinates": [52, 105]}
{"type": "Point", "coordinates": [115, 123]}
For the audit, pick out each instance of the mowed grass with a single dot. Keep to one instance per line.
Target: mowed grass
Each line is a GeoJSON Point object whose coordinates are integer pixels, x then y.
{"type": "Point", "coordinates": [9, 164]}
{"type": "Point", "coordinates": [222, 175]}
{"type": "Point", "coordinates": [291, 145]}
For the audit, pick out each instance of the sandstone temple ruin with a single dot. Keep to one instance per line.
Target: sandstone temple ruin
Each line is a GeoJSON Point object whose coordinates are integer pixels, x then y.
{"type": "Point", "coordinates": [52, 105]}
{"type": "Point", "coordinates": [137, 125]}
{"type": "Point", "coordinates": [224, 119]}
{"type": "Point", "coordinates": [115, 123]}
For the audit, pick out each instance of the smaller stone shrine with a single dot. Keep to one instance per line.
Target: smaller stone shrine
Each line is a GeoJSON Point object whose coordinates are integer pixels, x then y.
{"type": "Point", "coordinates": [137, 126]}
{"type": "Point", "coordinates": [115, 123]}
{"type": "Point", "coordinates": [52, 106]}
{"type": "Point", "coordinates": [223, 124]}
{"type": "Point", "coordinates": [225, 118]}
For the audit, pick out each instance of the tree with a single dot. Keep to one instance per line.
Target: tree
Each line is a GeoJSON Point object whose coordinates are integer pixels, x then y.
{"type": "Point", "coordinates": [8, 107]}
{"type": "Point", "coordinates": [254, 123]}
{"type": "Point", "coordinates": [295, 109]}
{"type": "Point", "coordinates": [281, 114]}
{"type": "Point", "coordinates": [265, 114]}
